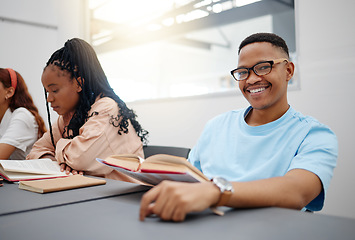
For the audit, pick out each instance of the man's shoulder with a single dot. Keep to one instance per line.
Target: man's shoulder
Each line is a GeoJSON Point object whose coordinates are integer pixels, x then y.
{"type": "Point", "coordinates": [229, 114]}
{"type": "Point", "coordinates": [311, 123]}
{"type": "Point", "coordinates": [306, 118]}
{"type": "Point", "coordinates": [226, 118]}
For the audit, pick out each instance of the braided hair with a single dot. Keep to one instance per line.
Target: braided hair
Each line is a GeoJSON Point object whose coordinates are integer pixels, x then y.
{"type": "Point", "coordinates": [79, 59]}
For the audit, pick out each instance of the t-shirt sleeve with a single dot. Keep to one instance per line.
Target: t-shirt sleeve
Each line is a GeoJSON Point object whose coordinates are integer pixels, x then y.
{"type": "Point", "coordinates": [318, 154]}
{"type": "Point", "coordinates": [195, 153]}
{"type": "Point", "coordinates": [22, 130]}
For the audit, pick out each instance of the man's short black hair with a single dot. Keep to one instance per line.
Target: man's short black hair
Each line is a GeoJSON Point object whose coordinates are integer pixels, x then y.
{"type": "Point", "coordinates": [272, 38]}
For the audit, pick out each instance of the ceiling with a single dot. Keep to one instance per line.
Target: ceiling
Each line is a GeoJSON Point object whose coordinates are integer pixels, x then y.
{"type": "Point", "coordinates": [169, 20]}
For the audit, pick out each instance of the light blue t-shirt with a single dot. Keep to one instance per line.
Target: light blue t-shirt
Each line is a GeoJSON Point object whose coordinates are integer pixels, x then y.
{"type": "Point", "coordinates": [230, 148]}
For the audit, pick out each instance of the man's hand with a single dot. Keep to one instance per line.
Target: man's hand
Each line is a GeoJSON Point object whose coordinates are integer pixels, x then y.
{"type": "Point", "coordinates": [173, 200]}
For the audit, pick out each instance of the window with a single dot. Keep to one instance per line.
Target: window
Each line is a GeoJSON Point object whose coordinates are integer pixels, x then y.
{"type": "Point", "coordinates": [179, 48]}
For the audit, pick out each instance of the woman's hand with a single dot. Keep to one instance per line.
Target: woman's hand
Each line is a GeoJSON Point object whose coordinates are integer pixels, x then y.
{"type": "Point", "coordinates": [68, 170]}
{"type": "Point", "coordinates": [173, 200]}
{"type": "Point", "coordinates": [63, 166]}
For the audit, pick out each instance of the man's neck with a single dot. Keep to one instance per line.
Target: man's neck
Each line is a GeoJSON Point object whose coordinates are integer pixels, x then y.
{"type": "Point", "coordinates": [257, 117]}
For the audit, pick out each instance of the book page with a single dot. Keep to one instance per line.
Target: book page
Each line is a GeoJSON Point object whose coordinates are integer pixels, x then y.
{"type": "Point", "coordinates": [164, 166]}
{"type": "Point", "coordinates": [155, 178]}
{"type": "Point", "coordinates": [38, 166]}
{"type": "Point", "coordinates": [128, 163]}
{"type": "Point", "coordinates": [169, 159]}
{"type": "Point", "coordinates": [16, 176]}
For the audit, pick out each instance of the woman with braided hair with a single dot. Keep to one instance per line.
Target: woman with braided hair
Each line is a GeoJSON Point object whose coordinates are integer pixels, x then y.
{"type": "Point", "coordinates": [20, 123]}
{"type": "Point", "coordinates": [93, 121]}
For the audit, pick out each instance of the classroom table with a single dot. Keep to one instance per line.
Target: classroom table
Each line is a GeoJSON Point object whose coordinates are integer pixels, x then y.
{"type": "Point", "coordinates": [116, 217]}
{"type": "Point", "coordinates": [13, 199]}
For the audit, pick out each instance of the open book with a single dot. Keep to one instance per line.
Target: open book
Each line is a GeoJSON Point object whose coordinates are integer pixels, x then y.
{"type": "Point", "coordinates": [155, 169]}
{"type": "Point", "coordinates": [17, 170]}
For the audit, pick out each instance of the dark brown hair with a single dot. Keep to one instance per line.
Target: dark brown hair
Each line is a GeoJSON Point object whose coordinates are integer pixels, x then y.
{"type": "Point", "coordinates": [22, 98]}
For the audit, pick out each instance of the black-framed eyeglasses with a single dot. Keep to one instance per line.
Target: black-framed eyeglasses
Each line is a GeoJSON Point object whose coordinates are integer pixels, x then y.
{"type": "Point", "coordinates": [260, 69]}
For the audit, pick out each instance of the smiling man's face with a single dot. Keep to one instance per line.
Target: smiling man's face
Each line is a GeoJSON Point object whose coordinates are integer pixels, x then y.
{"type": "Point", "coordinates": [267, 91]}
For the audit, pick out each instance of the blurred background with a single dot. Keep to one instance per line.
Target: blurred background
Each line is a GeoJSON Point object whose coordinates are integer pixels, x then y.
{"type": "Point", "coordinates": [179, 47]}
{"type": "Point", "coordinates": [170, 60]}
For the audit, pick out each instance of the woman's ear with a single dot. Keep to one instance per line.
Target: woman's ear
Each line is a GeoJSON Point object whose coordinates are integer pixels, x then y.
{"type": "Point", "coordinates": [9, 92]}
{"type": "Point", "coordinates": [79, 83]}
{"type": "Point", "coordinates": [290, 69]}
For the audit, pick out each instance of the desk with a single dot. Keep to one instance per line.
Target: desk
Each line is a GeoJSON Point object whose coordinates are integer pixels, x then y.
{"type": "Point", "coordinates": [14, 200]}
{"type": "Point", "coordinates": [116, 217]}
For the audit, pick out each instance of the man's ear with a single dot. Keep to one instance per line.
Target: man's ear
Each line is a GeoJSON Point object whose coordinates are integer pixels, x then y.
{"type": "Point", "coordinates": [290, 69]}
{"type": "Point", "coordinates": [79, 83]}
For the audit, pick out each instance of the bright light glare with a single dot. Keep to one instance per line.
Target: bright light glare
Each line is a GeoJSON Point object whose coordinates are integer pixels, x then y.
{"type": "Point", "coordinates": [103, 33]}
{"type": "Point", "coordinates": [183, 90]}
{"type": "Point", "coordinates": [99, 41]}
{"type": "Point", "coordinates": [217, 8]}
{"type": "Point", "coordinates": [202, 3]}
{"type": "Point", "coordinates": [240, 3]}
{"type": "Point", "coordinates": [154, 27]}
{"type": "Point", "coordinates": [128, 91]}
{"type": "Point", "coordinates": [168, 22]}
{"type": "Point", "coordinates": [123, 11]}
{"type": "Point", "coordinates": [196, 14]}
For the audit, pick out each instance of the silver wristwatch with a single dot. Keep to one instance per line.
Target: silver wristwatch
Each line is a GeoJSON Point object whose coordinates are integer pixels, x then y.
{"type": "Point", "coordinates": [226, 189]}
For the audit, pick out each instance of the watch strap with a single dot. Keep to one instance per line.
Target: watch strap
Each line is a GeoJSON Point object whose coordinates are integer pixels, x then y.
{"type": "Point", "coordinates": [224, 198]}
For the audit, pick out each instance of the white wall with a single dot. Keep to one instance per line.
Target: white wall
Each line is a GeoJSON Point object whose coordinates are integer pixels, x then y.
{"type": "Point", "coordinates": [327, 59]}
{"type": "Point", "coordinates": [326, 50]}
{"type": "Point", "coordinates": [26, 47]}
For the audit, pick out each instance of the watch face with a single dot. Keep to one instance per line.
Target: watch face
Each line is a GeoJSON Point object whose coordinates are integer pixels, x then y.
{"type": "Point", "coordinates": [223, 184]}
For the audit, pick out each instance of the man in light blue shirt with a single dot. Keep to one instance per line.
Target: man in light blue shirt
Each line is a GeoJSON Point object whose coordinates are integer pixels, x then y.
{"type": "Point", "coordinates": [265, 155]}
{"type": "Point", "coordinates": [231, 148]}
